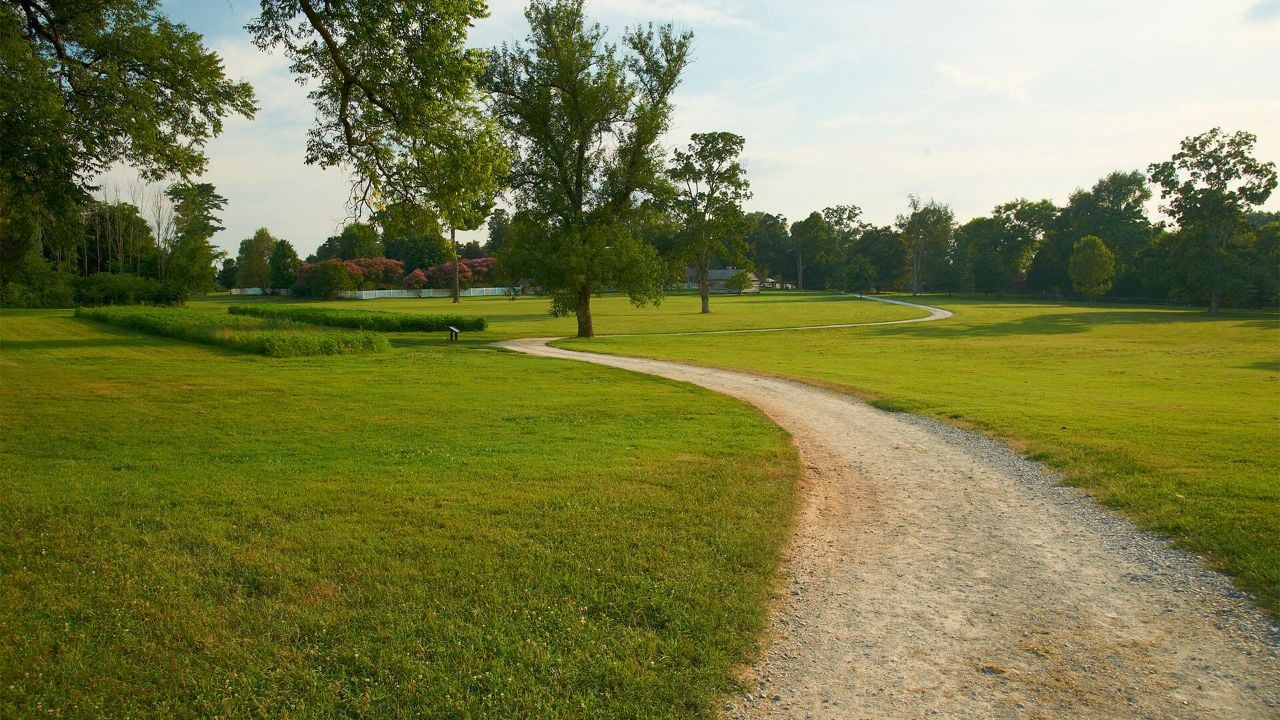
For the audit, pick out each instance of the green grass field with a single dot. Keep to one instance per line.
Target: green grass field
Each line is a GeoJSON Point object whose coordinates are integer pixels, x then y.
{"type": "Point", "coordinates": [438, 531]}
{"type": "Point", "coordinates": [679, 312]}
{"type": "Point", "coordinates": [1169, 415]}
{"type": "Point", "coordinates": [453, 531]}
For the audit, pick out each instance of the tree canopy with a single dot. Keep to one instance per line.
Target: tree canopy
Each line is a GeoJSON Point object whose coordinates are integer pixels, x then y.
{"type": "Point", "coordinates": [1208, 187]}
{"type": "Point", "coordinates": [396, 100]}
{"type": "Point", "coordinates": [91, 84]}
{"type": "Point", "coordinates": [584, 118]}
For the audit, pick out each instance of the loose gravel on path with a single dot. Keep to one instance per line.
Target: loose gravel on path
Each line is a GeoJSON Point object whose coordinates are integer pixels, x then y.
{"type": "Point", "coordinates": [934, 573]}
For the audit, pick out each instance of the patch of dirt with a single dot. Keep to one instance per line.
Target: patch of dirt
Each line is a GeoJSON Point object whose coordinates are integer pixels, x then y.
{"type": "Point", "coordinates": [936, 574]}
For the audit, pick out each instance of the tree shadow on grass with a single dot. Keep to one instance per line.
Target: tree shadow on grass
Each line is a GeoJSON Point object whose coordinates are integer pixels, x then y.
{"type": "Point", "coordinates": [72, 343]}
{"type": "Point", "coordinates": [1062, 323]}
{"type": "Point", "coordinates": [1268, 365]}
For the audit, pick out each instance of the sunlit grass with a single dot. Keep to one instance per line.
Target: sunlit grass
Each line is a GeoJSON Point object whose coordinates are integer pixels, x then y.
{"type": "Point", "coordinates": [438, 531]}
{"type": "Point", "coordinates": [1169, 415]}
{"type": "Point", "coordinates": [679, 312]}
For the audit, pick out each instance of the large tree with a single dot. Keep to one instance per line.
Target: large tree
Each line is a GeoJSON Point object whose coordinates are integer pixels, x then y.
{"type": "Point", "coordinates": [884, 249]}
{"type": "Point", "coordinates": [90, 84]}
{"type": "Point", "coordinates": [710, 188]}
{"type": "Point", "coordinates": [191, 254]}
{"type": "Point", "coordinates": [585, 118]}
{"type": "Point", "coordinates": [809, 237]}
{"type": "Point", "coordinates": [253, 263]}
{"type": "Point", "coordinates": [394, 87]}
{"type": "Point", "coordinates": [768, 244]}
{"type": "Point", "coordinates": [284, 264]}
{"type": "Point", "coordinates": [928, 230]}
{"type": "Point", "coordinates": [1209, 186]}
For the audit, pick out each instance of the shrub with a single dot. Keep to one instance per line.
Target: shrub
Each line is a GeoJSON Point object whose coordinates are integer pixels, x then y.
{"type": "Point", "coordinates": [124, 289]}
{"type": "Point", "coordinates": [274, 339]}
{"type": "Point", "coordinates": [327, 279]}
{"type": "Point", "coordinates": [362, 319]}
{"type": "Point", "coordinates": [415, 280]}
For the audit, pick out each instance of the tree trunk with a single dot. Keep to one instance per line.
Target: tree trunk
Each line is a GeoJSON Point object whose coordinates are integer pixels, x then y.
{"type": "Point", "coordinates": [584, 312]}
{"type": "Point", "coordinates": [1215, 299]}
{"type": "Point", "coordinates": [457, 260]}
{"type": "Point", "coordinates": [799, 270]}
{"type": "Point", "coordinates": [704, 281]}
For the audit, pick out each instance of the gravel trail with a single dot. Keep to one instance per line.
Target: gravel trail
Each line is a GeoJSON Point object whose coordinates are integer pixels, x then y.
{"type": "Point", "coordinates": [934, 573]}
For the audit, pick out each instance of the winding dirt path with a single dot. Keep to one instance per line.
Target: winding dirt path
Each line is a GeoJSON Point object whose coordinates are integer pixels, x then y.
{"type": "Point", "coordinates": [934, 573]}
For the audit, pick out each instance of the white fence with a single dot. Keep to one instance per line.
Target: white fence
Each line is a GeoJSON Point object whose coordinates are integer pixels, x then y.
{"type": "Point", "coordinates": [261, 291]}
{"type": "Point", "coordinates": [425, 292]}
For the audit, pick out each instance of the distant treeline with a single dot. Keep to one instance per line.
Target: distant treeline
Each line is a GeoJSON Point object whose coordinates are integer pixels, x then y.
{"type": "Point", "coordinates": [1023, 246]}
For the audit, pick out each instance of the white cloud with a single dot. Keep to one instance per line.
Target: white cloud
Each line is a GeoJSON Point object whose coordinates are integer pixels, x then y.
{"type": "Point", "coordinates": [1010, 85]}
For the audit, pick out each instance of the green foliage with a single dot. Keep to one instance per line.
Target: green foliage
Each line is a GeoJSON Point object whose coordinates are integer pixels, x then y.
{"type": "Point", "coordinates": [394, 90]}
{"type": "Point", "coordinates": [276, 339]}
{"type": "Point", "coordinates": [989, 270]}
{"type": "Point", "coordinates": [585, 121]}
{"type": "Point", "coordinates": [362, 319]}
{"type": "Point", "coordinates": [1093, 266]}
{"type": "Point", "coordinates": [327, 279]}
{"type": "Point", "coordinates": [738, 282]}
{"type": "Point", "coordinates": [90, 84]}
{"type": "Point", "coordinates": [499, 225]}
{"type": "Point", "coordinates": [412, 236]}
{"type": "Point", "coordinates": [191, 255]}
{"type": "Point", "coordinates": [859, 275]}
{"type": "Point", "coordinates": [253, 263]}
{"type": "Point", "coordinates": [928, 231]}
{"type": "Point", "coordinates": [884, 249]}
{"type": "Point", "coordinates": [284, 265]}
{"type": "Point", "coordinates": [409, 534]}
{"type": "Point", "coordinates": [809, 237]}
{"type": "Point", "coordinates": [768, 244]}
{"type": "Point", "coordinates": [357, 240]}
{"type": "Point", "coordinates": [1208, 186]}
{"type": "Point", "coordinates": [1115, 209]}
{"type": "Point", "coordinates": [125, 289]}
{"type": "Point", "coordinates": [711, 186]}
{"type": "Point", "coordinates": [226, 278]}
{"type": "Point", "coordinates": [1167, 415]}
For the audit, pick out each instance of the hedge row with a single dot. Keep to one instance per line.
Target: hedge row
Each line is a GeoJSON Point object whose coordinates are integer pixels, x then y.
{"type": "Point", "coordinates": [362, 319]}
{"type": "Point", "coordinates": [274, 339]}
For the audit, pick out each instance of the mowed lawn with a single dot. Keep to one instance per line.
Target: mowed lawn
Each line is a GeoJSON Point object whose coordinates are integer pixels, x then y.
{"type": "Point", "coordinates": [436, 531]}
{"type": "Point", "coordinates": [527, 316]}
{"type": "Point", "coordinates": [1169, 415]}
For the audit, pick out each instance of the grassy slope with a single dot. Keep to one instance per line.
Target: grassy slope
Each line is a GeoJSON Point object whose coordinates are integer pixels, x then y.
{"type": "Point", "coordinates": [679, 312]}
{"type": "Point", "coordinates": [438, 531]}
{"type": "Point", "coordinates": [1169, 415]}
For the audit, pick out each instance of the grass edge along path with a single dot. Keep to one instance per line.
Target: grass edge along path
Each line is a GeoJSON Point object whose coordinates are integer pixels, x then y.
{"type": "Point", "coordinates": [1166, 415]}
{"type": "Point", "coordinates": [192, 532]}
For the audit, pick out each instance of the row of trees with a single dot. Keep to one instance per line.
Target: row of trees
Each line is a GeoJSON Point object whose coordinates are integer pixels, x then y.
{"type": "Point", "coordinates": [1219, 251]}
{"type": "Point", "coordinates": [569, 125]}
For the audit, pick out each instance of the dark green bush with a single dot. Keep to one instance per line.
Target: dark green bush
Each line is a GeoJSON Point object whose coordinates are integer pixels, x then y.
{"type": "Point", "coordinates": [124, 289]}
{"type": "Point", "coordinates": [362, 319]}
{"type": "Point", "coordinates": [271, 338]}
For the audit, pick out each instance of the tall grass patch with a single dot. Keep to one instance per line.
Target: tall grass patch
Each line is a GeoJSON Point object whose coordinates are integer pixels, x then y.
{"type": "Point", "coordinates": [273, 338]}
{"type": "Point", "coordinates": [362, 319]}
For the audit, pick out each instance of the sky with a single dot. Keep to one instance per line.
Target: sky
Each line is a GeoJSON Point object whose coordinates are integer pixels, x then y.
{"type": "Point", "coordinates": [972, 103]}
